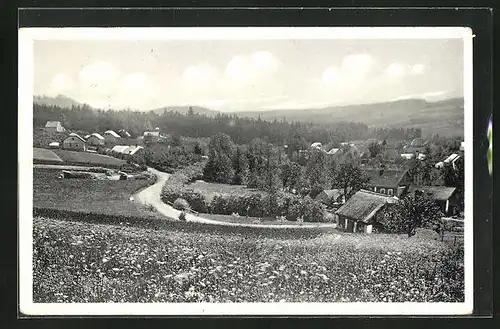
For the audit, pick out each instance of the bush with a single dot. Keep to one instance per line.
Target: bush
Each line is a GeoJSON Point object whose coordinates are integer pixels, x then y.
{"type": "Point", "coordinates": [181, 204]}
{"type": "Point", "coordinates": [182, 216]}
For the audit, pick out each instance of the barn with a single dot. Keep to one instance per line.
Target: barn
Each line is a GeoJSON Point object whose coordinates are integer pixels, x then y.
{"type": "Point", "coordinates": [330, 197]}
{"type": "Point", "coordinates": [445, 197]}
{"type": "Point", "coordinates": [360, 212]}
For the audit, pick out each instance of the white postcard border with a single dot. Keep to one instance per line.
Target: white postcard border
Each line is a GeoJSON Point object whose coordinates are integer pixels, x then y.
{"type": "Point", "coordinates": [27, 36]}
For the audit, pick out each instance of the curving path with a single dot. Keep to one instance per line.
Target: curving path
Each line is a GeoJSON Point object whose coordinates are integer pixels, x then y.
{"type": "Point", "coordinates": [152, 196]}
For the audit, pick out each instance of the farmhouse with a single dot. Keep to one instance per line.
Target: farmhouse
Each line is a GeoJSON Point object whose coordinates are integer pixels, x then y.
{"type": "Point", "coordinates": [151, 136]}
{"type": "Point", "coordinates": [126, 150]}
{"type": "Point", "coordinates": [124, 134]}
{"type": "Point", "coordinates": [445, 197]}
{"type": "Point", "coordinates": [111, 137]}
{"type": "Point", "coordinates": [74, 142]}
{"type": "Point", "coordinates": [96, 139]}
{"type": "Point", "coordinates": [330, 197]}
{"type": "Point", "coordinates": [54, 127]}
{"type": "Point", "coordinates": [361, 211]}
{"type": "Point", "coordinates": [388, 181]}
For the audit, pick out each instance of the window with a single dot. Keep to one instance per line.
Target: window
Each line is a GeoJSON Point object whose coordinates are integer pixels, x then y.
{"type": "Point", "coordinates": [382, 190]}
{"type": "Point", "coordinates": [390, 191]}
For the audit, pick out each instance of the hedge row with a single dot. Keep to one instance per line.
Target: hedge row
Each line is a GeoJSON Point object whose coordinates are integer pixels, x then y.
{"type": "Point", "coordinates": [158, 223]}
{"type": "Point", "coordinates": [253, 204]}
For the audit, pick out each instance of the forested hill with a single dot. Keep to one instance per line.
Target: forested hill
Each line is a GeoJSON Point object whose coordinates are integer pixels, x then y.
{"type": "Point", "coordinates": [186, 110]}
{"type": "Point", "coordinates": [443, 117]}
{"type": "Point", "coordinates": [241, 130]}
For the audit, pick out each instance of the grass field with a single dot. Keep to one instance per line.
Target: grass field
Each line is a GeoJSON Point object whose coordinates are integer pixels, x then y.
{"type": "Point", "coordinates": [212, 189]}
{"type": "Point", "coordinates": [46, 156]}
{"type": "Point", "coordinates": [58, 156]}
{"type": "Point", "coordinates": [84, 195]}
{"type": "Point", "coordinates": [82, 262]}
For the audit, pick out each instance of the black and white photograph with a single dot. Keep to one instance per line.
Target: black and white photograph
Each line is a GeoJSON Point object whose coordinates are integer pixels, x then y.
{"type": "Point", "coordinates": [233, 171]}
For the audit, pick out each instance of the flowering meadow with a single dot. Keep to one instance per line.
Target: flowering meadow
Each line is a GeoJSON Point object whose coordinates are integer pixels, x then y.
{"type": "Point", "coordinates": [83, 262]}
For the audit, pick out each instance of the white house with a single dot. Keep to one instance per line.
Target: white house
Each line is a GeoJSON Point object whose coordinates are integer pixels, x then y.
{"type": "Point", "coordinates": [54, 127]}
{"type": "Point", "coordinates": [111, 137]}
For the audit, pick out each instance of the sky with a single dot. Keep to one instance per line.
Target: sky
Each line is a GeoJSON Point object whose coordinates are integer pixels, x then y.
{"type": "Point", "coordinates": [247, 75]}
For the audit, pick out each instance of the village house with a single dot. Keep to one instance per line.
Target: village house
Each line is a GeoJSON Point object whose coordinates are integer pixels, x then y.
{"type": "Point", "coordinates": [151, 136]}
{"type": "Point", "coordinates": [95, 139]}
{"type": "Point", "coordinates": [126, 150]}
{"type": "Point", "coordinates": [111, 137]}
{"type": "Point", "coordinates": [361, 212]}
{"type": "Point", "coordinates": [445, 197]}
{"type": "Point", "coordinates": [124, 134]}
{"type": "Point", "coordinates": [74, 142]}
{"type": "Point", "coordinates": [388, 181]}
{"type": "Point", "coordinates": [330, 198]}
{"type": "Point", "coordinates": [53, 127]}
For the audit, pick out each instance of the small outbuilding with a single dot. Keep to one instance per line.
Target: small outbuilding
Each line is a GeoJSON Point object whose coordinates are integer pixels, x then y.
{"type": "Point", "coordinates": [360, 212]}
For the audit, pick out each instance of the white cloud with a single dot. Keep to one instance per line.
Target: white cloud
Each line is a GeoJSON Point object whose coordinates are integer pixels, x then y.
{"type": "Point", "coordinates": [418, 69]}
{"type": "Point", "coordinates": [396, 70]}
{"type": "Point", "coordinates": [252, 67]}
{"type": "Point", "coordinates": [200, 75]}
{"type": "Point", "coordinates": [98, 79]}
{"type": "Point", "coordinates": [331, 75]}
{"type": "Point", "coordinates": [358, 65]}
{"type": "Point", "coordinates": [61, 84]}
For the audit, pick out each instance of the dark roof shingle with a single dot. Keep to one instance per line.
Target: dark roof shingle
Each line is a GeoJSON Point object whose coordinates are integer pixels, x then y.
{"type": "Point", "coordinates": [364, 205]}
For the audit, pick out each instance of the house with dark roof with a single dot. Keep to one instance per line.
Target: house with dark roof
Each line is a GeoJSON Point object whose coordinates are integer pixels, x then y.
{"type": "Point", "coordinates": [445, 197]}
{"type": "Point", "coordinates": [330, 197]}
{"type": "Point", "coordinates": [361, 212]}
{"type": "Point", "coordinates": [74, 142]}
{"type": "Point", "coordinates": [387, 181]}
{"type": "Point", "coordinates": [54, 127]}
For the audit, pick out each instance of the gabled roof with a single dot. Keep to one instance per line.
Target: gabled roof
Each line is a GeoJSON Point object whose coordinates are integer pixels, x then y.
{"type": "Point", "coordinates": [152, 133]}
{"type": "Point", "coordinates": [77, 136]}
{"type": "Point", "coordinates": [99, 136]}
{"type": "Point", "coordinates": [334, 151]}
{"type": "Point", "coordinates": [334, 193]}
{"type": "Point", "coordinates": [452, 158]}
{"type": "Point", "coordinates": [441, 193]}
{"type": "Point", "coordinates": [135, 150]}
{"type": "Point", "coordinates": [119, 148]}
{"type": "Point", "coordinates": [316, 145]}
{"type": "Point", "coordinates": [384, 177]}
{"type": "Point", "coordinates": [364, 205]}
{"type": "Point", "coordinates": [52, 124]}
{"type": "Point", "coordinates": [124, 133]}
{"type": "Point", "coordinates": [112, 133]}
{"type": "Point", "coordinates": [86, 136]}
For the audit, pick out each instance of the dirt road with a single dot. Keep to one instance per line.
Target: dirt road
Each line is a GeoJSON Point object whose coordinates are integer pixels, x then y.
{"type": "Point", "coordinates": [152, 196]}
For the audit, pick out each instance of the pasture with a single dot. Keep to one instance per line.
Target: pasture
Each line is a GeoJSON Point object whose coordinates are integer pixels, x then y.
{"type": "Point", "coordinates": [82, 262]}
{"type": "Point", "coordinates": [58, 156]}
{"type": "Point", "coordinates": [86, 195]}
{"type": "Point", "coordinates": [90, 159]}
{"type": "Point", "coordinates": [45, 156]}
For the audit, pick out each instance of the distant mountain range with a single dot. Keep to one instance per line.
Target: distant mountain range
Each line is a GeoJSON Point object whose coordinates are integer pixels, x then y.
{"type": "Point", "coordinates": [443, 117]}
